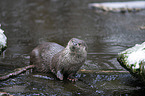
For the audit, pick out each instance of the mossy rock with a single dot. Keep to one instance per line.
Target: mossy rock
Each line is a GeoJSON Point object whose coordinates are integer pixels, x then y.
{"type": "Point", "coordinates": [3, 40]}
{"type": "Point", "coordinates": [133, 59]}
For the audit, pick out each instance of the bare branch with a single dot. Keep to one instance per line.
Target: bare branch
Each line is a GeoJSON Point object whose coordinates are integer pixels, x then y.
{"type": "Point", "coordinates": [102, 71]}
{"type": "Point", "coordinates": [20, 70]}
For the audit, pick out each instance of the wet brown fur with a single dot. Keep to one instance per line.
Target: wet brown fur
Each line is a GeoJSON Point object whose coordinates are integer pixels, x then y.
{"type": "Point", "coordinates": [63, 62]}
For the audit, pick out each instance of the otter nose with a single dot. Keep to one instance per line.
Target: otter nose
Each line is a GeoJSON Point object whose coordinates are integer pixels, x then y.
{"type": "Point", "coordinates": [75, 44]}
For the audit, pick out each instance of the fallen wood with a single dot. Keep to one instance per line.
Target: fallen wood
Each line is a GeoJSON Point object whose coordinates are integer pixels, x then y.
{"type": "Point", "coordinates": [119, 6]}
{"type": "Point", "coordinates": [102, 71]}
{"type": "Point", "coordinates": [19, 71]}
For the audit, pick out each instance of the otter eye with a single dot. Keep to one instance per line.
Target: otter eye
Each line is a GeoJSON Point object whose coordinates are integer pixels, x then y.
{"type": "Point", "coordinates": [74, 43]}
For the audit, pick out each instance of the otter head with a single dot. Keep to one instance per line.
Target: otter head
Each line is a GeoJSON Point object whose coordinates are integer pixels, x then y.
{"type": "Point", "coordinates": [77, 45]}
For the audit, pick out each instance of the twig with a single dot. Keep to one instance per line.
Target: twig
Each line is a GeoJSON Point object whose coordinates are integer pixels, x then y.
{"type": "Point", "coordinates": [103, 71]}
{"type": "Point", "coordinates": [16, 72]}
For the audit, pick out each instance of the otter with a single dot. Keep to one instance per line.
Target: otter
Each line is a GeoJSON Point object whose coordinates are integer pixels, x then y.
{"type": "Point", "coordinates": [63, 62]}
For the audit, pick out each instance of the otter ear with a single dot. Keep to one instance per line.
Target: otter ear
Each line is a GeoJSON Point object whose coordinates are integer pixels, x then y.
{"type": "Point", "coordinates": [59, 75]}
{"type": "Point", "coordinates": [86, 47]}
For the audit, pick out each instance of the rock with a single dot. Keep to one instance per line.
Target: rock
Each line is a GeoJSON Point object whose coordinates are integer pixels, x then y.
{"type": "Point", "coordinates": [133, 59]}
{"type": "Point", "coordinates": [3, 40]}
{"type": "Point", "coordinates": [142, 27]}
{"type": "Point", "coordinates": [5, 94]}
{"type": "Point", "coordinates": [129, 6]}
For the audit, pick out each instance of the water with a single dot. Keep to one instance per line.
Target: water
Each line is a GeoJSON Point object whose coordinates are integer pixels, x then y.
{"type": "Point", "coordinates": [27, 22]}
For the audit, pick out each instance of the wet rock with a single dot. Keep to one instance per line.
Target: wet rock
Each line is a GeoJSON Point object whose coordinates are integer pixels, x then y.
{"type": "Point", "coordinates": [133, 59]}
{"type": "Point", "coordinates": [129, 6]}
{"type": "Point", "coordinates": [3, 40]}
{"type": "Point", "coordinates": [4, 94]}
{"type": "Point", "coordinates": [142, 27]}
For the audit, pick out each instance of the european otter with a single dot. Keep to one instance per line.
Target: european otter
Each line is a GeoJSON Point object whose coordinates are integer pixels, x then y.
{"type": "Point", "coordinates": [63, 62]}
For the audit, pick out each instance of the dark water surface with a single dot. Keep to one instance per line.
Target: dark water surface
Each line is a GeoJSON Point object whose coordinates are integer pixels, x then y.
{"type": "Point", "coordinates": [29, 22]}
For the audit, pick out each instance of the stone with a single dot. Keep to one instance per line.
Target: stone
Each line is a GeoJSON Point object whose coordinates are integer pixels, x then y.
{"type": "Point", "coordinates": [133, 59]}
{"type": "Point", "coordinates": [3, 40]}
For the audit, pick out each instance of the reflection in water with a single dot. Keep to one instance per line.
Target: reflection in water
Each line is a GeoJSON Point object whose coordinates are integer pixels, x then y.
{"type": "Point", "coordinates": [28, 22]}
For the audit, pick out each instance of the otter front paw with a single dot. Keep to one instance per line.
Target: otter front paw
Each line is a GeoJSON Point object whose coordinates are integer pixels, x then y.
{"type": "Point", "coordinates": [71, 77]}
{"type": "Point", "coordinates": [59, 75]}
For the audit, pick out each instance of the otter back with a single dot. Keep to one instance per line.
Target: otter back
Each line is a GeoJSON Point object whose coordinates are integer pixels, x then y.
{"type": "Point", "coordinates": [42, 55]}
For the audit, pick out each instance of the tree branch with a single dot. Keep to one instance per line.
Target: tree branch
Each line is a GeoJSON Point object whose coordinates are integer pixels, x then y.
{"type": "Point", "coordinates": [102, 71]}
{"type": "Point", "coordinates": [21, 70]}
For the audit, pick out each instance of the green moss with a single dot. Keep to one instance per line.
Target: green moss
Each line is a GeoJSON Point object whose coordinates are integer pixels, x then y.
{"type": "Point", "coordinates": [2, 49]}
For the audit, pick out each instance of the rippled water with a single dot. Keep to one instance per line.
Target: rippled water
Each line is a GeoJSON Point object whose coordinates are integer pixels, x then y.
{"type": "Point", "coordinates": [28, 22]}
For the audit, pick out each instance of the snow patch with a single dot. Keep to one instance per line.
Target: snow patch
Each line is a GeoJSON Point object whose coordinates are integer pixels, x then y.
{"type": "Point", "coordinates": [3, 38]}
{"type": "Point", "coordinates": [129, 4]}
{"type": "Point", "coordinates": [135, 55]}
